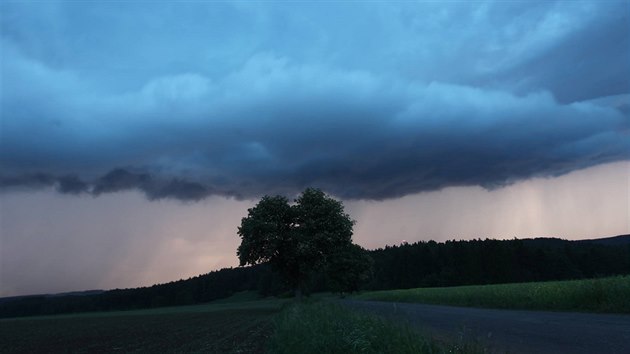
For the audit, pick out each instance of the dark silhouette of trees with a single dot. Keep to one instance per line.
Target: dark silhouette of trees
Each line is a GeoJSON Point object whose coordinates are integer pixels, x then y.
{"type": "Point", "coordinates": [267, 237]}
{"type": "Point", "coordinates": [477, 262]}
{"type": "Point", "coordinates": [296, 240]}
{"type": "Point", "coordinates": [349, 268]}
{"type": "Point", "coordinates": [200, 289]}
{"type": "Point", "coordinates": [420, 264]}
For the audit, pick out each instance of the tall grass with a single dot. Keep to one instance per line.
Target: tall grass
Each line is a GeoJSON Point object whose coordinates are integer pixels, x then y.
{"type": "Point", "coordinates": [328, 328]}
{"type": "Point", "coordinates": [591, 295]}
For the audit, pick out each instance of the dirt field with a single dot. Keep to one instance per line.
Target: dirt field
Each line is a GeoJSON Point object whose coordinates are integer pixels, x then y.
{"type": "Point", "coordinates": [221, 330]}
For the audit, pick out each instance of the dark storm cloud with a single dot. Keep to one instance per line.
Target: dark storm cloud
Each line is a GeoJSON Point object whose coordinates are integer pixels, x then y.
{"type": "Point", "coordinates": [154, 188]}
{"type": "Point", "coordinates": [120, 180]}
{"type": "Point", "coordinates": [27, 180]}
{"type": "Point", "coordinates": [179, 189]}
{"type": "Point", "coordinates": [590, 62]}
{"type": "Point", "coordinates": [116, 180]}
{"type": "Point", "coordinates": [71, 185]}
{"type": "Point", "coordinates": [388, 102]}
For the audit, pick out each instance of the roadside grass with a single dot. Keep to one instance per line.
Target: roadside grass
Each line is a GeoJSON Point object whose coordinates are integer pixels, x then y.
{"type": "Point", "coordinates": [606, 295]}
{"type": "Point", "coordinates": [212, 328]}
{"type": "Point", "coordinates": [324, 327]}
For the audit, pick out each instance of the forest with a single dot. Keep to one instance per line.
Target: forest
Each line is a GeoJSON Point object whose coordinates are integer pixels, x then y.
{"type": "Point", "coordinates": [419, 264]}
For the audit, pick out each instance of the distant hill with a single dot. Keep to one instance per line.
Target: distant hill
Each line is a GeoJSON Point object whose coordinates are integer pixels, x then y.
{"type": "Point", "coordinates": [612, 241]}
{"type": "Point", "coordinates": [78, 293]}
{"type": "Point", "coordinates": [15, 298]}
{"type": "Point", "coordinates": [71, 293]}
{"type": "Point", "coordinates": [559, 242]}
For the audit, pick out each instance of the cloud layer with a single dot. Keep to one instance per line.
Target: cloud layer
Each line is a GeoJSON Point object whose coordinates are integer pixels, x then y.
{"type": "Point", "coordinates": [367, 102]}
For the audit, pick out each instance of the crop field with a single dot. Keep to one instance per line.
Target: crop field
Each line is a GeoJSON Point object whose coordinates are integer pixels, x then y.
{"type": "Point", "coordinates": [215, 328]}
{"type": "Point", "coordinates": [610, 295]}
{"type": "Point", "coordinates": [239, 325]}
{"type": "Point", "coordinates": [326, 327]}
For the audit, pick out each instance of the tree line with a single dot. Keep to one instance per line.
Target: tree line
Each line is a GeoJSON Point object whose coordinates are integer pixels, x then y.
{"type": "Point", "coordinates": [203, 288]}
{"type": "Point", "coordinates": [477, 262]}
{"type": "Point", "coordinates": [420, 264]}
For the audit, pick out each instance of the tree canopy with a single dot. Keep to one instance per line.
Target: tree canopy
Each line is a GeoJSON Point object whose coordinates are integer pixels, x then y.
{"type": "Point", "coordinates": [297, 240]}
{"type": "Point", "coordinates": [349, 267]}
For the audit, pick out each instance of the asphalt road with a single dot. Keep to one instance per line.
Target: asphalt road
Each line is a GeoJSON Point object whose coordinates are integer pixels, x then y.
{"type": "Point", "coordinates": [513, 331]}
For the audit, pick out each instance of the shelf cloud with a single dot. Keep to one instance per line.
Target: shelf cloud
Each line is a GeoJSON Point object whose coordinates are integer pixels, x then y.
{"type": "Point", "coordinates": [385, 103]}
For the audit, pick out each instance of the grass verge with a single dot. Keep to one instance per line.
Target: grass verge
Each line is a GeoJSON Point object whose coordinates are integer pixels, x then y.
{"type": "Point", "coordinates": [324, 327]}
{"type": "Point", "coordinates": [611, 295]}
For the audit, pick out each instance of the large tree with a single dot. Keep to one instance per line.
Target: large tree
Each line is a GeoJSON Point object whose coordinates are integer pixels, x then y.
{"type": "Point", "coordinates": [297, 240]}
{"type": "Point", "coordinates": [348, 268]}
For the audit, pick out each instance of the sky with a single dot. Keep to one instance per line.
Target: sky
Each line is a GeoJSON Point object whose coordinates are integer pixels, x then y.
{"type": "Point", "coordinates": [135, 135]}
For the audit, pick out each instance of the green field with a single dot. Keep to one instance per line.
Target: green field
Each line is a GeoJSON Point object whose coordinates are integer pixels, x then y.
{"type": "Point", "coordinates": [242, 325]}
{"type": "Point", "coordinates": [592, 295]}
{"type": "Point", "coordinates": [325, 327]}
{"type": "Point", "coordinates": [227, 327]}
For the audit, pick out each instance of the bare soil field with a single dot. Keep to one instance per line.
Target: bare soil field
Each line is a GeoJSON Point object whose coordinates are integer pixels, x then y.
{"type": "Point", "coordinates": [218, 331]}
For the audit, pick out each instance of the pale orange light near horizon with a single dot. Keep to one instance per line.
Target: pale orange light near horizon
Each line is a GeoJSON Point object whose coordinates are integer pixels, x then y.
{"type": "Point", "coordinates": [54, 243]}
